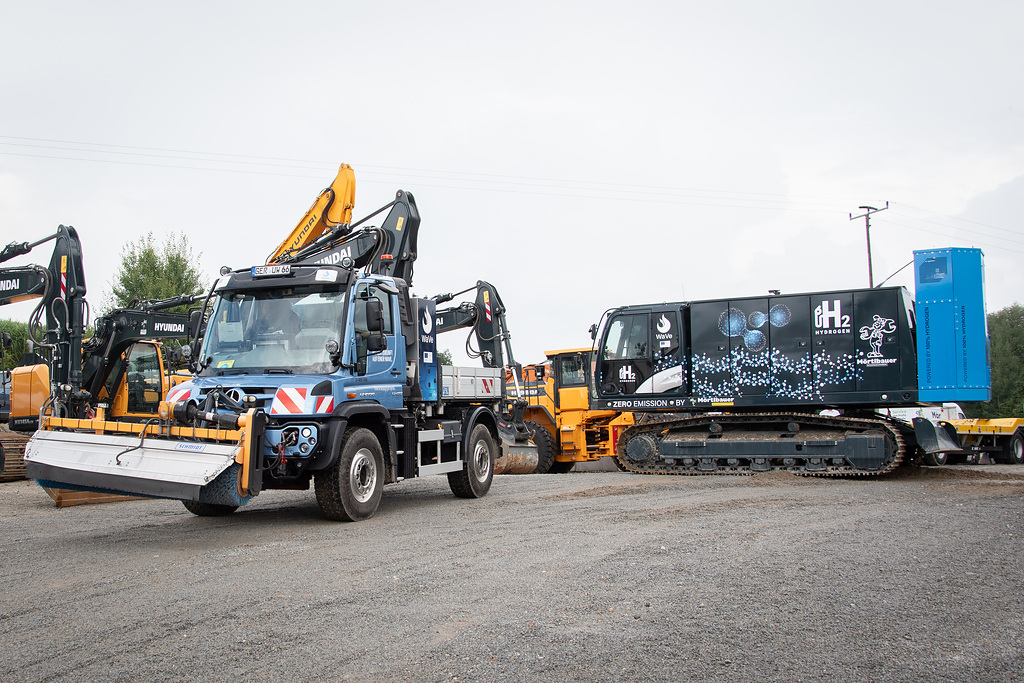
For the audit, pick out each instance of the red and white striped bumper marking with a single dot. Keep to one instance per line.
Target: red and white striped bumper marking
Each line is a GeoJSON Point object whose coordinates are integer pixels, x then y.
{"type": "Point", "coordinates": [178, 394]}
{"type": "Point", "coordinates": [324, 404]}
{"type": "Point", "coordinates": [487, 385]}
{"type": "Point", "coordinates": [289, 401]}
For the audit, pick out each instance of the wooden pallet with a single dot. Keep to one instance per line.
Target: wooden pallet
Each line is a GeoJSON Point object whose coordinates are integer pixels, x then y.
{"type": "Point", "coordinates": [14, 470]}
{"type": "Point", "coordinates": [14, 454]}
{"type": "Point", "coordinates": [66, 497]}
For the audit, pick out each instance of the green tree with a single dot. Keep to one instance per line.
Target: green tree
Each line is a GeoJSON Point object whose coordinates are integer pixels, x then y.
{"type": "Point", "coordinates": [19, 343]}
{"type": "Point", "coordinates": [155, 271]}
{"type": "Point", "coordinates": [444, 357]}
{"type": "Point", "coordinates": [1006, 339]}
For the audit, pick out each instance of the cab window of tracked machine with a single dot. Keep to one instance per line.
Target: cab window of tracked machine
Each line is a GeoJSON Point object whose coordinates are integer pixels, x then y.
{"type": "Point", "coordinates": [626, 338]}
{"type": "Point", "coordinates": [143, 378]}
{"type": "Point", "coordinates": [117, 369]}
{"type": "Point", "coordinates": [625, 355]}
{"type": "Point", "coordinates": [667, 335]}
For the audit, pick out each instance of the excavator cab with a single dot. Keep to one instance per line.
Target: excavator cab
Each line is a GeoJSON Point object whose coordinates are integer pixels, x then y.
{"type": "Point", "coordinates": [143, 382]}
{"type": "Point", "coordinates": [137, 382]}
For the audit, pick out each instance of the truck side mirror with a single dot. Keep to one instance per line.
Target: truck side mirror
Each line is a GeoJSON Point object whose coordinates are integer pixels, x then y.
{"type": "Point", "coordinates": [374, 316]}
{"type": "Point", "coordinates": [376, 343]}
{"type": "Point", "coordinates": [194, 320]}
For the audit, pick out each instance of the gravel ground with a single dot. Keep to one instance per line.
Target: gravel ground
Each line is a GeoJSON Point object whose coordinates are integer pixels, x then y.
{"type": "Point", "coordinates": [580, 577]}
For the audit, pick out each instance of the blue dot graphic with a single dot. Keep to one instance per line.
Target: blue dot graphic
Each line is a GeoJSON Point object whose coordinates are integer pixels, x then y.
{"type": "Point", "coordinates": [780, 315]}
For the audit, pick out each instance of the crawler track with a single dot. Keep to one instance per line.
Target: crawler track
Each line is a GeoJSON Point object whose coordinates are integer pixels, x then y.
{"type": "Point", "coordinates": [747, 443]}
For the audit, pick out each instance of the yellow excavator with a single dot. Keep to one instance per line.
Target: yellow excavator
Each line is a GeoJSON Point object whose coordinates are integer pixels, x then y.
{"type": "Point", "coordinates": [122, 366]}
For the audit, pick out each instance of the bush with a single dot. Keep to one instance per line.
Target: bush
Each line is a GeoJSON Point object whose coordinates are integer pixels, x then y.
{"type": "Point", "coordinates": [19, 343]}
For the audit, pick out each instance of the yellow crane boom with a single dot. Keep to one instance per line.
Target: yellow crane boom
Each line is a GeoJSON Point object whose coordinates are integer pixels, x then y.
{"type": "Point", "coordinates": [332, 208]}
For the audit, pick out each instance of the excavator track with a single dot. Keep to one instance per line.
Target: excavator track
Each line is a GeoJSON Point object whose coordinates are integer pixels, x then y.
{"type": "Point", "coordinates": [748, 443]}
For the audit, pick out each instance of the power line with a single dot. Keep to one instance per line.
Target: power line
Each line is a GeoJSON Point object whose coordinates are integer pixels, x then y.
{"type": "Point", "coordinates": [448, 186]}
{"type": "Point", "coordinates": [463, 180]}
{"type": "Point", "coordinates": [962, 220]}
{"type": "Point", "coordinates": [933, 233]}
{"type": "Point", "coordinates": [761, 198]}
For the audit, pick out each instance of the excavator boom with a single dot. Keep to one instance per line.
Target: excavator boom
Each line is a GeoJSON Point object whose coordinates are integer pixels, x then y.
{"type": "Point", "coordinates": [331, 210]}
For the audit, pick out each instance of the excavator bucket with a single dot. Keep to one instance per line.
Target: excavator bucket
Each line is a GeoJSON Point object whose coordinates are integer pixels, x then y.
{"type": "Point", "coordinates": [518, 453]}
{"type": "Point", "coordinates": [126, 464]}
{"type": "Point", "coordinates": [935, 437]}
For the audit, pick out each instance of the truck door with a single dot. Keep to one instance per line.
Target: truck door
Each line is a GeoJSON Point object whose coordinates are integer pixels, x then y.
{"type": "Point", "coordinates": [383, 365]}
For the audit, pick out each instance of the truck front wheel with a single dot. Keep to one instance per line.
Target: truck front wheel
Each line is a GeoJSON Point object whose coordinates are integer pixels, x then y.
{"type": "Point", "coordinates": [474, 479]}
{"type": "Point", "coordinates": [350, 489]}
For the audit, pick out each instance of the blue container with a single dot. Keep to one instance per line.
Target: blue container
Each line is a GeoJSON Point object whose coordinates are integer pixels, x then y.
{"type": "Point", "coordinates": [952, 325]}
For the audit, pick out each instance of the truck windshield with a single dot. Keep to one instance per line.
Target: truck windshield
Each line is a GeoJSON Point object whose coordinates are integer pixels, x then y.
{"type": "Point", "coordinates": [279, 330]}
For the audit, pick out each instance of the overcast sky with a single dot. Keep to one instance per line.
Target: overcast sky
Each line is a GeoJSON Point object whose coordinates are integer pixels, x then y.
{"type": "Point", "coordinates": [579, 156]}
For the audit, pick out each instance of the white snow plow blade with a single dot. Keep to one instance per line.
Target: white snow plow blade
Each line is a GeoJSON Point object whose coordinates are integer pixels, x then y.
{"type": "Point", "coordinates": [118, 464]}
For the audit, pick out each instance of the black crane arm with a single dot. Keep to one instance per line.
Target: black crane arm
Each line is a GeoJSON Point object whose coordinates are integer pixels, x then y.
{"type": "Point", "coordinates": [61, 288]}
{"type": "Point", "coordinates": [386, 250]}
{"type": "Point", "coordinates": [486, 315]}
{"type": "Point", "coordinates": [118, 330]}
{"type": "Point", "coordinates": [22, 283]}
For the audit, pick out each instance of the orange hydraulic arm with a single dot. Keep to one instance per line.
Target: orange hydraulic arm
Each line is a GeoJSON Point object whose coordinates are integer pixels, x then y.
{"type": "Point", "coordinates": [331, 209]}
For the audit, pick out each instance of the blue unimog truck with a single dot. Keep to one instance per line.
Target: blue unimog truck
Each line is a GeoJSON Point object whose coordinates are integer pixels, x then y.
{"type": "Point", "coordinates": [319, 368]}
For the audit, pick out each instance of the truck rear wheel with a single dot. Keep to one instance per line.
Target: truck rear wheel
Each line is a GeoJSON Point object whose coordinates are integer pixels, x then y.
{"type": "Point", "coordinates": [350, 489]}
{"type": "Point", "coordinates": [474, 479]}
{"type": "Point", "coordinates": [1013, 452]}
{"type": "Point", "coordinates": [545, 446]}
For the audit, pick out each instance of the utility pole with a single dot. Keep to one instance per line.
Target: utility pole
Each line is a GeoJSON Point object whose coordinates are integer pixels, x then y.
{"type": "Point", "coordinates": [868, 210]}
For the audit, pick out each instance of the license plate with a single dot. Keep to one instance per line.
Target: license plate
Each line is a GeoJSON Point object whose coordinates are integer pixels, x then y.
{"type": "Point", "coordinates": [269, 271]}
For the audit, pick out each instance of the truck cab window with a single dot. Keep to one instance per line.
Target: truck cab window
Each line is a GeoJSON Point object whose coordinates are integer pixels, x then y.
{"type": "Point", "coordinates": [362, 330]}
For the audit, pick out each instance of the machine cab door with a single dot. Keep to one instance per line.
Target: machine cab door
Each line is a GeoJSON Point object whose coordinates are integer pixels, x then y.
{"type": "Point", "coordinates": [571, 380]}
{"type": "Point", "coordinates": [641, 354]}
{"type": "Point", "coordinates": [138, 381]}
